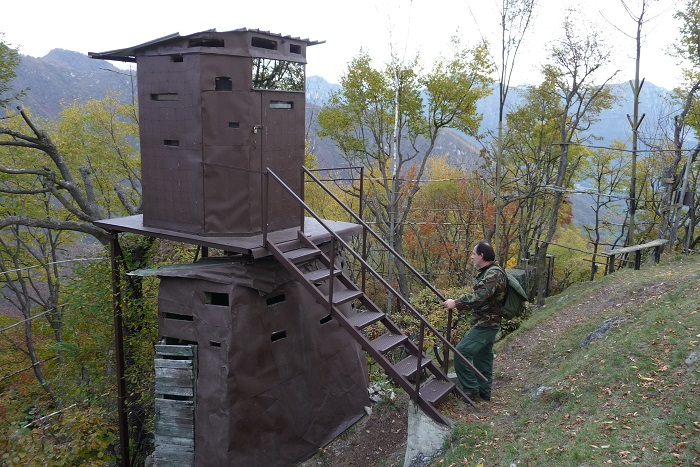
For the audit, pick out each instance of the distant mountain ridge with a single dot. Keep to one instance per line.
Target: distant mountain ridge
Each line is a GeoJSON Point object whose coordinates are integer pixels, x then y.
{"type": "Point", "coordinates": [62, 77]}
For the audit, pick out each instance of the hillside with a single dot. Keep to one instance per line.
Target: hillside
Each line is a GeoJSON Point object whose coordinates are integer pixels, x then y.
{"type": "Point", "coordinates": [62, 77]}
{"type": "Point", "coordinates": [562, 397]}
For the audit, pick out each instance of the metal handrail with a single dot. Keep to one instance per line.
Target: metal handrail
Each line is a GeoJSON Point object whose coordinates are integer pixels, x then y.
{"type": "Point", "coordinates": [367, 228]}
{"type": "Point", "coordinates": [411, 308]}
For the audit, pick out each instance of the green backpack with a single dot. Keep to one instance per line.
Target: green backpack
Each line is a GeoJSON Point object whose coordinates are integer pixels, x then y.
{"type": "Point", "coordinates": [514, 302]}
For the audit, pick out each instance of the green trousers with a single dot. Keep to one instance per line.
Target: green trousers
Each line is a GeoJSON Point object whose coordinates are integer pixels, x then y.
{"type": "Point", "coordinates": [477, 347]}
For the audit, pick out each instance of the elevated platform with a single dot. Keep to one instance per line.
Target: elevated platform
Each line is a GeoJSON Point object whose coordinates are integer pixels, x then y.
{"type": "Point", "coordinates": [252, 245]}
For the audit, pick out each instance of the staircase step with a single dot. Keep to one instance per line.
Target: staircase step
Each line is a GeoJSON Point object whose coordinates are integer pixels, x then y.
{"type": "Point", "coordinates": [344, 296]}
{"type": "Point", "coordinates": [364, 319]}
{"type": "Point", "coordinates": [435, 390]}
{"type": "Point", "coordinates": [388, 341]}
{"type": "Point", "coordinates": [301, 254]}
{"type": "Point", "coordinates": [407, 366]}
{"type": "Point", "coordinates": [320, 274]}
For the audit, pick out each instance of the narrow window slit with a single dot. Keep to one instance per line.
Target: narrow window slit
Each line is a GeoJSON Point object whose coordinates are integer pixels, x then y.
{"type": "Point", "coordinates": [276, 299]}
{"type": "Point", "coordinates": [215, 344]}
{"type": "Point", "coordinates": [326, 319]}
{"type": "Point", "coordinates": [287, 105]}
{"type": "Point", "coordinates": [171, 142]}
{"type": "Point", "coordinates": [234, 125]}
{"type": "Point", "coordinates": [165, 96]}
{"type": "Point", "coordinates": [278, 335]}
{"type": "Point", "coordinates": [205, 42]}
{"type": "Point", "coordinates": [174, 397]}
{"type": "Point", "coordinates": [178, 317]}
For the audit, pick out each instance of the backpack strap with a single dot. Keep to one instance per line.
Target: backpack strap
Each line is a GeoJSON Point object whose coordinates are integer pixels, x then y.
{"type": "Point", "coordinates": [505, 279]}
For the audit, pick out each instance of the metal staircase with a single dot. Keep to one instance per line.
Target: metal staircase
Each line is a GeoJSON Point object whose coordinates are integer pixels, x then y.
{"type": "Point", "coordinates": [418, 375]}
{"type": "Point", "coordinates": [402, 359]}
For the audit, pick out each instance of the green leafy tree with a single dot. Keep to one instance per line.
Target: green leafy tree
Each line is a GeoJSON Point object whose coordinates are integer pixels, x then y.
{"type": "Point", "coordinates": [608, 171]}
{"type": "Point", "coordinates": [388, 120]}
{"type": "Point", "coordinates": [61, 177]}
{"type": "Point", "coordinates": [573, 76]}
{"type": "Point", "coordinates": [514, 22]}
{"type": "Point", "coordinates": [529, 165]}
{"type": "Point", "coordinates": [9, 59]}
{"type": "Point", "coordinates": [677, 174]}
{"type": "Point", "coordinates": [446, 219]}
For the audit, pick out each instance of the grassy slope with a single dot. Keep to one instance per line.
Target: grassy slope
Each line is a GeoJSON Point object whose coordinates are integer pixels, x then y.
{"type": "Point", "coordinates": [631, 397]}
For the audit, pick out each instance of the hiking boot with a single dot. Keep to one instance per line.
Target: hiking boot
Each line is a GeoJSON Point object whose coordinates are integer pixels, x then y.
{"type": "Point", "coordinates": [472, 395]}
{"type": "Point", "coordinates": [484, 396]}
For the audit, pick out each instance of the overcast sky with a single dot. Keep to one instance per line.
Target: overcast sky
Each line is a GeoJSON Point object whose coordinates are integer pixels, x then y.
{"type": "Point", "coordinates": [410, 27]}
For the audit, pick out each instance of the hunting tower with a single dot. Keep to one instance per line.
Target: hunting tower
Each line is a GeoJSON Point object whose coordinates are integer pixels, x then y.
{"type": "Point", "coordinates": [260, 359]}
{"type": "Point", "coordinates": [250, 368]}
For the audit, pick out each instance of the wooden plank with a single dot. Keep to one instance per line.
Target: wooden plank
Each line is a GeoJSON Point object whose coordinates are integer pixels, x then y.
{"type": "Point", "coordinates": [175, 367]}
{"type": "Point", "coordinates": [175, 373]}
{"type": "Point", "coordinates": [175, 350]}
{"type": "Point", "coordinates": [630, 249]}
{"type": "Point", "coordinates": [171, 459]}
{"type": "Point", "coordinates": [174, 408]}
{"type": "Point", "coordinates": [178, 381]}
{"type": "Point", "coordinates": [168, 363]}
{"type": "Point", "coordinates": [167, 431]}
{"type": "Point", "coordinates": [165, 388]}
{"type": "Point", "coordinates": [174, 444]}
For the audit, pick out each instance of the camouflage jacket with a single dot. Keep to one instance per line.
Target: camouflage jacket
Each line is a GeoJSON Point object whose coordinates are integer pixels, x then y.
{"type": "Point", "coordinates": [485, 300]}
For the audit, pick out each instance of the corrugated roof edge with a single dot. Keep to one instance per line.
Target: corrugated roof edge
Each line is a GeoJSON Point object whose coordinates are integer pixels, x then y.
{"type": "Point", "coordinates": [128, 54]}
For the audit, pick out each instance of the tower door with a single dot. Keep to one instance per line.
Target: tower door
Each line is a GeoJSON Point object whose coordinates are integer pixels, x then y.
{"type": "Point", "coordinates": [282, 129]}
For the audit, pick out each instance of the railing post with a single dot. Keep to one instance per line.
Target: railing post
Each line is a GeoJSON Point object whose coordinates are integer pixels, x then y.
{"type": "Point", "coordinates": [637, 260]}
{"type": "Point", "coordinates": [363, 271]}
{"type": "Point", "coordinates": [331, 267]}
{"type": "Point", "coordinates": [301, 195]}
{"type": "Point", "coordinates": [265, 195]}
{"type": "Point", "coordinates": [446, 350]}
{"type": "Point", "coordinates": [420, 359]}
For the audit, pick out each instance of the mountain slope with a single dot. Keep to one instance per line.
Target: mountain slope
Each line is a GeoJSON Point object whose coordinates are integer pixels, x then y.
{"type": "Point", "coordinates": [62, 77]}
{"type": "Point", "coordinates": [607, 373]}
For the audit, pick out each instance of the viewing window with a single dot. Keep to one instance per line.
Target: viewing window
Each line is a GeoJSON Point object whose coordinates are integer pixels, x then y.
{"type": "Point", "coordinates": [263, 43]}
{"type": "Point", "coordinates": [223, 83]}
{"type": "Point", "coordinates": [204, 42]}
{"type": "Point", "coordinates": [278, 75]}
{"type": "Point", "coordinates": [214, 298]}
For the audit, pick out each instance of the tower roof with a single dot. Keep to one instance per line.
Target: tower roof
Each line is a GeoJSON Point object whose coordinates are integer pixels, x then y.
{"type": "Point", "coordinates": [129, 54]}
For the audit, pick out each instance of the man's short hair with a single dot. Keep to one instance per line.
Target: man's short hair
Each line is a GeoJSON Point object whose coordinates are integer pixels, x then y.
{"type": "Point", "coordinates": [485, 249]}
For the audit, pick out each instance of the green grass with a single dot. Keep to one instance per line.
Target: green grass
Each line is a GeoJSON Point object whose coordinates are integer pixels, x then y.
{"type": "Point", "coordinates": [628, 398]}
